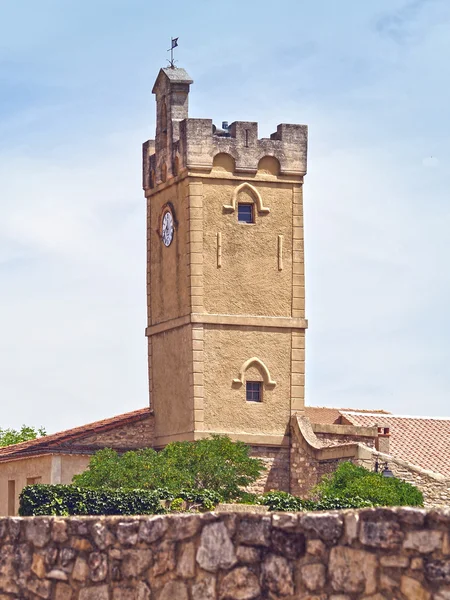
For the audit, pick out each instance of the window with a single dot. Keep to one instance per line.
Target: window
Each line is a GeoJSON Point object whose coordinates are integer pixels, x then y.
{"type": "Point", "coordinates": [254, 391]}
{"type": "Point", "coordinates": [34, 480]}
{"type": "Point", "coordinates": [245, 213]}
{"type": "Point", "coordinates": [11, 498]}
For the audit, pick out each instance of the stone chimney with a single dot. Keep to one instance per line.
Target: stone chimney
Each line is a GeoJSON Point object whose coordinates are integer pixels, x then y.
{"type": "Point", "coordinates": [382, 441]}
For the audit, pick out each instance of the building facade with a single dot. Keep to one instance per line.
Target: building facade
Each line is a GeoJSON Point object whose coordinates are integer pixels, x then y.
{"type": "Point", "coordinates": [226, 293]}
{"type": "Point", "coordinates": [226, 321]}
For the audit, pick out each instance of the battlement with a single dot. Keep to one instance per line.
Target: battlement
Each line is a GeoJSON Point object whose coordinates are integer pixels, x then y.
{"type": "Point", "coordinates": [183, 143]}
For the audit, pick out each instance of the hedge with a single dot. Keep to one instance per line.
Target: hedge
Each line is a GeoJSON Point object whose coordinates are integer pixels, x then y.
{"type": "Point", "coordinates": [66, 500]}
{"type": "Point", "coordinates": [282, 501]}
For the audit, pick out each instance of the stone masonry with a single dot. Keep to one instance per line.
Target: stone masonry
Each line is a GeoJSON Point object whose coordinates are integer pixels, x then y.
{"type": "Point", "coordinates": [372, 554]}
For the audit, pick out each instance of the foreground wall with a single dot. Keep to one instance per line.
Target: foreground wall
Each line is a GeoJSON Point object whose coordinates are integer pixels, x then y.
{"type": "Point", "coordinates": [373, 554]}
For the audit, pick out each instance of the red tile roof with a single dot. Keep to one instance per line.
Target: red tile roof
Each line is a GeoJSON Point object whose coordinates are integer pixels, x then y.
{"type": "Point", "coordinates": [422, 441]}
{"type": "Point", "coordinates": [330, 416]}
{"type": "Point", "coordinates": [46, 443]}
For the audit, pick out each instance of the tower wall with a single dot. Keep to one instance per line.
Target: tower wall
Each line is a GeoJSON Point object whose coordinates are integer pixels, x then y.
{"type": "Point", "coordinates": [225, 297]}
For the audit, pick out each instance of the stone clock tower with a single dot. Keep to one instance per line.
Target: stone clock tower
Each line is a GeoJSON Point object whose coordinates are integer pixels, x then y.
{"type": "Point", "coordinates": [225, 274]}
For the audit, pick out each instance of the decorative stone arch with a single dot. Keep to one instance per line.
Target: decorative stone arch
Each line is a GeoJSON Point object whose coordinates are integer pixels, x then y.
{"type": "Point", "coordinates": [268, 381]}
{"type": "Point", "coordinates": [269, 165]}
{"type": "Point", "coordinates": [224, 162]}
{"type": "Point", "coordinates": [253, 192]}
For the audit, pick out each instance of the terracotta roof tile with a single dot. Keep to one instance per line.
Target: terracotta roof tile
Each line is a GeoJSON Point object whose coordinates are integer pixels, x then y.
{"type": "Point", "coordinates": [47, 442]}
{"type": "Point", "coordinates": [422, 441]}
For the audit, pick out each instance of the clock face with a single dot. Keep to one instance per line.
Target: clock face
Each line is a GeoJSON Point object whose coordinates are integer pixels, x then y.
{"type": "Point", "coordinates": [167, 228]}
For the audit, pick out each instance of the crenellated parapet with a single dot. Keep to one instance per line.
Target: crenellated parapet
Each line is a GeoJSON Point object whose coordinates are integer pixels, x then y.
{"type": "Point", "coordinates": [183, 143]}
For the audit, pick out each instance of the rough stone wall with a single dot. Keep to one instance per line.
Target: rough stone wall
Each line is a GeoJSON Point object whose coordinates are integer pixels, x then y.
{"type": "Point", "coordinates": [330, 439]}
{"type": "Point", "coordinates": [376, 554]}
{"type": "Point", "coordinates": [310, 460]}
{"type": "Point", "coordinates": [305, 468]}
{"type": "Point", "coordinates": [139, 434]}
{"type": "Point", "coordinates": [276, 476]}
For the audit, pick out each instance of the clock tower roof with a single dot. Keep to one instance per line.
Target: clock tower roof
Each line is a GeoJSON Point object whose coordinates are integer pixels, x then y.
{"type": "Point", "coordinates": [174, 75]}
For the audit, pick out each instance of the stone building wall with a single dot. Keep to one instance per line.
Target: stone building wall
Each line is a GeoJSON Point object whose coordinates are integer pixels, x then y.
{"type": "Point", "coordinates": [311, 458]}
{"type": "Point", "coordinates": [335, 440]}
{"type": "Point", "coordinates": [139, 434]}
{"type": "Point", "coordinates": [372, 554]}
{"type": "Point", "coordinates": [276, 476]}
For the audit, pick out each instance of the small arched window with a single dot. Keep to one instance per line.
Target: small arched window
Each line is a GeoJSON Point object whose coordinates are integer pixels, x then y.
{"type": "Point", "coordinates": [253, 391]}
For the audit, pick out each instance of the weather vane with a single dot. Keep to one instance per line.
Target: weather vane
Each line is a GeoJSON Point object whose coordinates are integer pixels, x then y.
{"type": "Point", "coordinates": [173, 45]}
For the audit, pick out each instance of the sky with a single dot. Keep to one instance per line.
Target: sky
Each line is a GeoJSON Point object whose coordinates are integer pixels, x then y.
{"type": "Point", "coordinates": [371, 80]}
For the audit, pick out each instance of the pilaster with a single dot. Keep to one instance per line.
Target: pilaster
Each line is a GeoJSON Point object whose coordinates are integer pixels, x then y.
{"type": "Point", "coordinates": [298, 255]}
{"type": "Point", "coordinates": [196, 383]}
{"type": "Point", "coordinates": [195, 244]}
{"type": "Point", "coordinates": [297, 372]}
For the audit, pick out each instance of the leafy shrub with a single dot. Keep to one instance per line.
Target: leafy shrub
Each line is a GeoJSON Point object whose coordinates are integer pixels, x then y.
{"type": "Point", "coordinates": [350, 482]}
{"type": "Point", "coordinates": [177, 505]}
{"type": "Point", "coordinates": [326, 503]}
{"type": "Point", "coordinates": [24, 434]}
{"type": "Point", "coordinates": [216, 464]}
{"type": "Point", "coordinates": [282, 501]}
{"type": "Point", "coordinates": [247, 498]}
{"type": "Point", "coordinates": [65, 500]}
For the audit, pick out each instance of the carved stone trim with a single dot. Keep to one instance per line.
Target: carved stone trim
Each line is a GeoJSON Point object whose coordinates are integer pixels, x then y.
{"type": "Point", "coordinates": [265, 372]}
{"type": "Point", "coordinates": [254, 192]}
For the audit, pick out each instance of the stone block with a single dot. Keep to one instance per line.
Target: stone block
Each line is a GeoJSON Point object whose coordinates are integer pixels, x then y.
{"type": "Point", "coordinates": [174, 590]}
{"type": "Point", "coordinates": [63, 591]}
{"type": "Point", "coordinates": [152, 529]}
{"type": "Point", "coordinates": [135, 562]}
{"type": "Point", "coordinates": [186, 561]}
{"type": "Point", "coordinates": [80, 570]}
{"type": "Point", "coordinates": [127, 533]}
{"type": "Point", "coordinates": [316, 548]}
{"type": "Point", "coordinates": [37, 531]}
{"type": "Point", "coordinates": [205, 589]}
{"type": "Point", "coordinates": [380, 534]}
{"type": "Point", "coordinates": [424, 542]}
{"type": "Point", "coordinates": [216, 550]}
{"type": "Point", "coordinates": [289, 544]}
{"type": "Point", "coordinates": [353, 571]}
{"type": "Point", "coordinates": [437, 571]}
{"type": "Point", "coordinates": [327, 526]}
{"type": "Point", "coordinates": [313, 576]}
{"type": "Point", "coordinates": [277, 575]}
{"type": "Point", "coordinates": [248, 554]}
{"type": "Point", "coordinates": [98, 566]}
{"type": "Point", "coordinates": [413, 589]}
{"type": "Point", "coordinates": [240, 584]}
{"type": "Point", "coordinates": [394, 560]}
{"type": "Point", "coordinates": [254, 531]}
{"type": "Point", "coordinates": [98, 592]}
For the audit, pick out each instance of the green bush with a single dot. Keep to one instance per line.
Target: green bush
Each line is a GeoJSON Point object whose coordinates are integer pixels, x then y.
{"type": "Point", "coordinates": [350, 481]}
{"type": "Point", "coordinates": [216, 464]}
{"type": "Point", "coordinates": [284, 502]}
{"type": "Point", "coordinates": [66, 500]}
{"type": "Point", "coordinates": [16, 436]}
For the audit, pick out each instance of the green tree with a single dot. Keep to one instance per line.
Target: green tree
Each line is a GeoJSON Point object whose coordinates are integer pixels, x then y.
{"type": "Point", "coordinates": [215, 463]}
{"type": "Point", "coordinates": [350, 481]}
{"type": "Point", "coordinates": [15, 436]}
